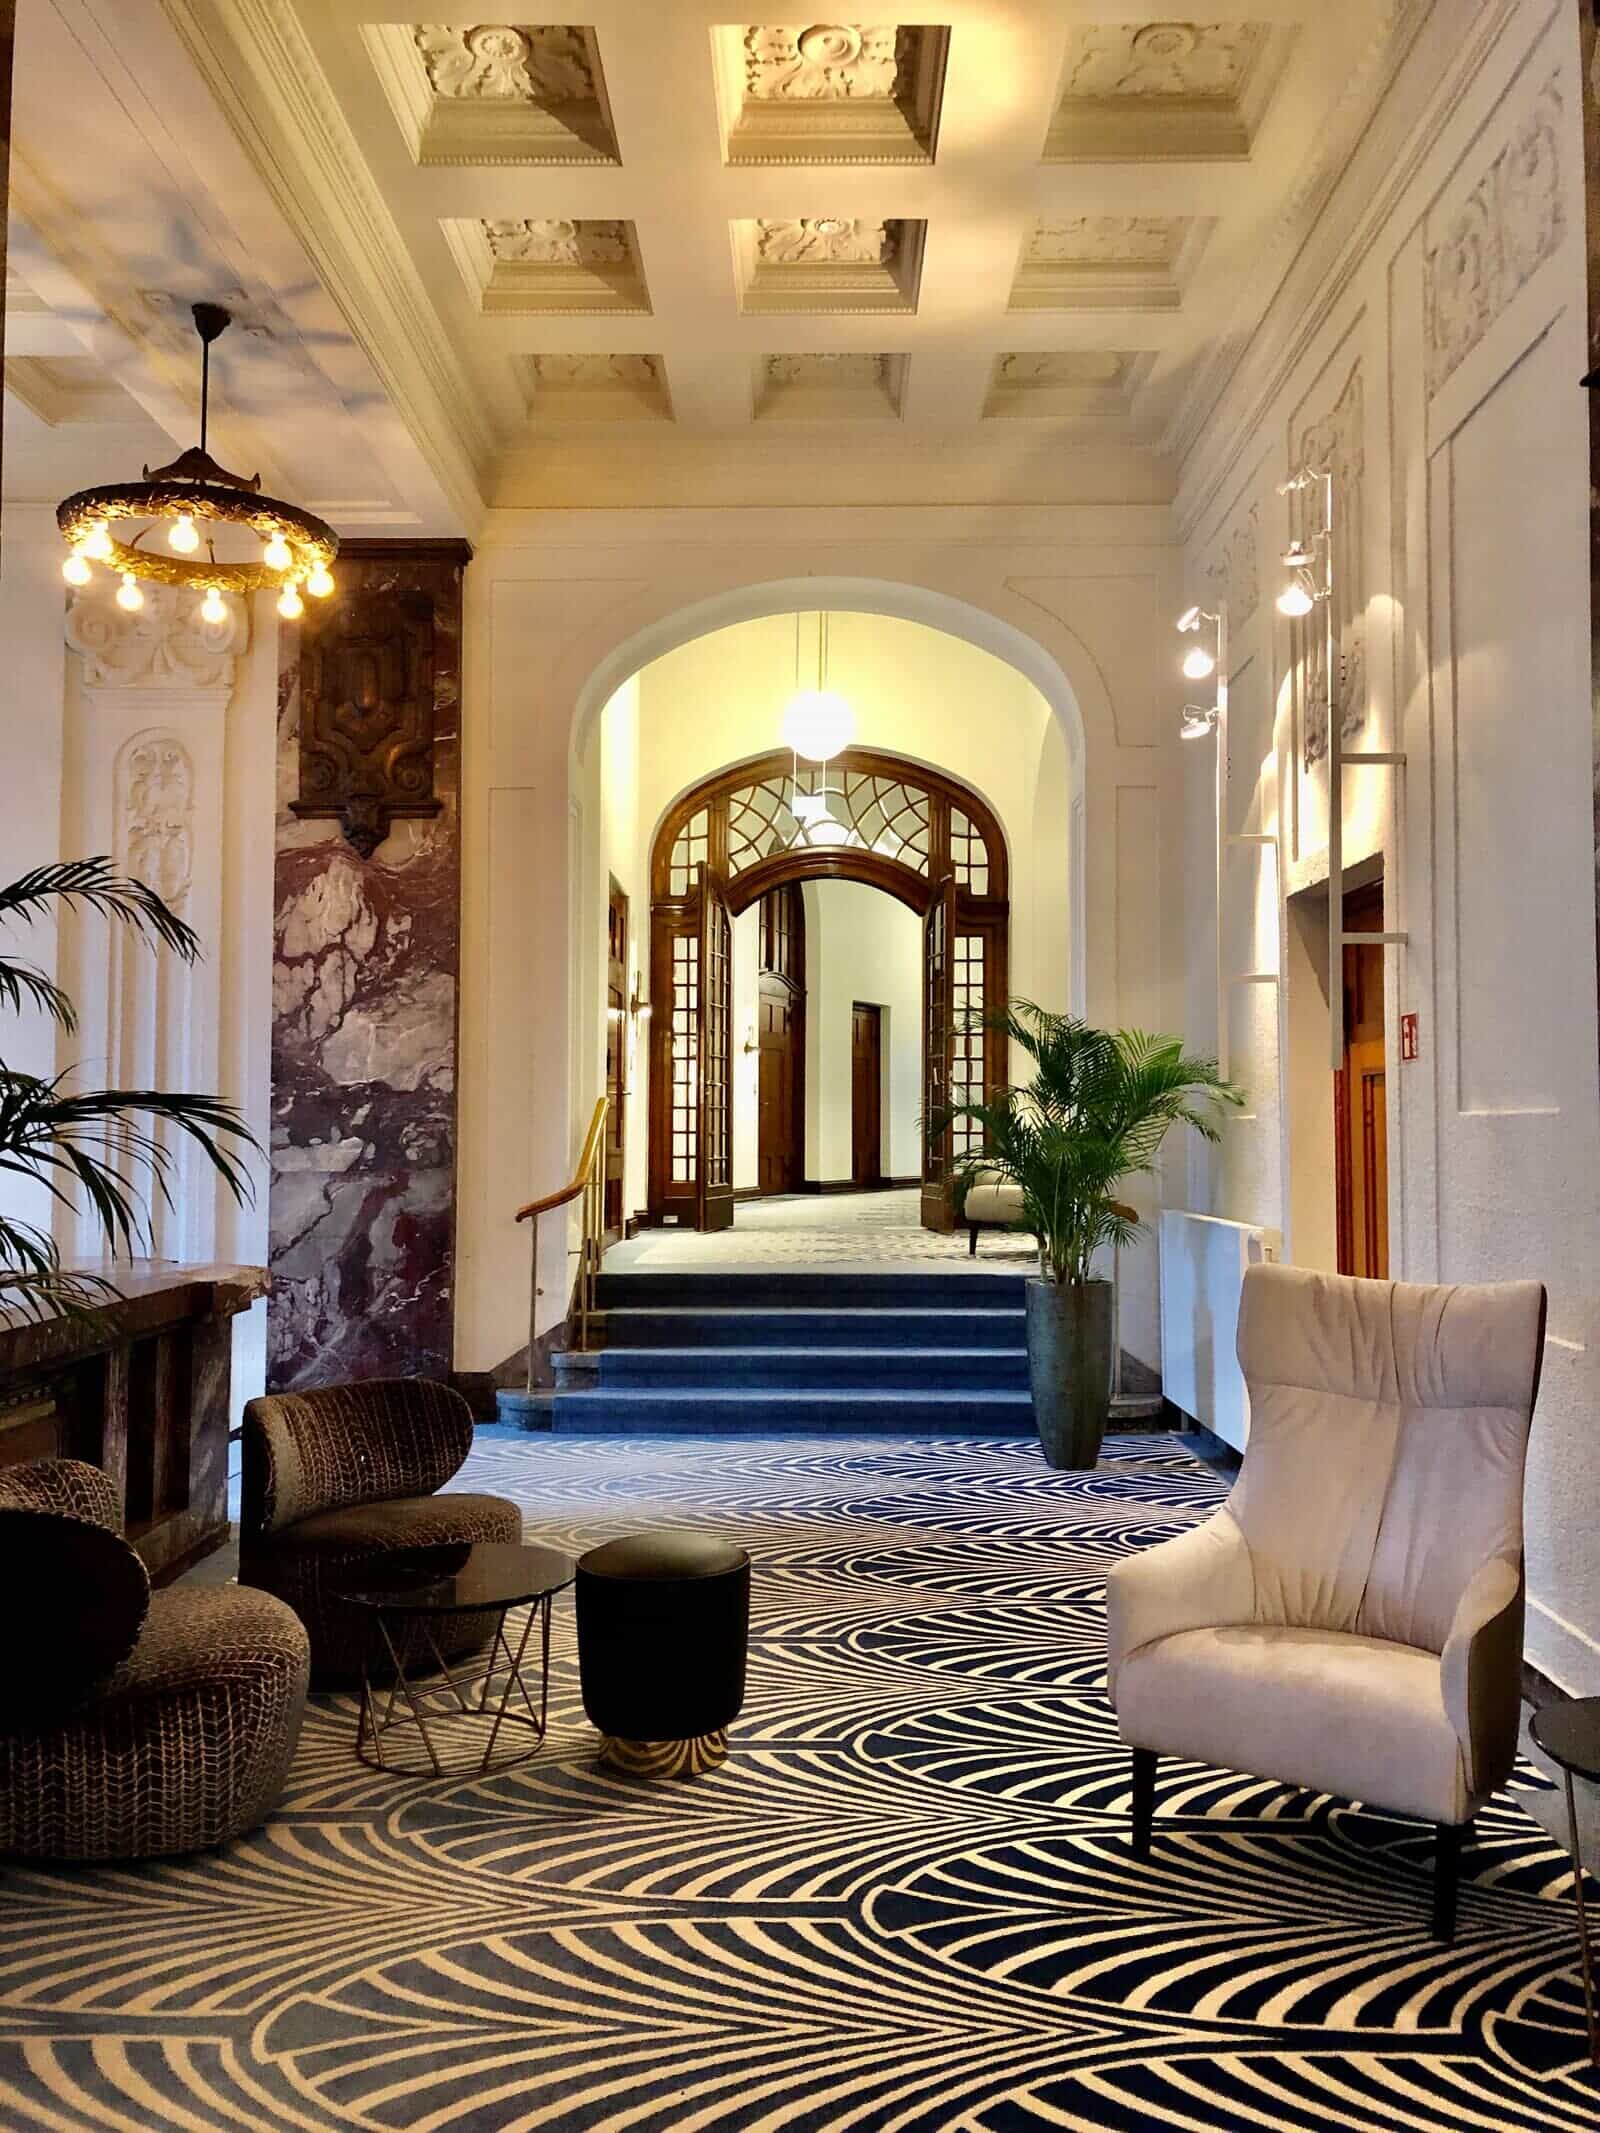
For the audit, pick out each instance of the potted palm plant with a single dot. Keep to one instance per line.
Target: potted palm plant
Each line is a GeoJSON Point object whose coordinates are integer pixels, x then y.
{"type": "Point", "coordinates": [110, 1146]}
{"type": "Point", "coordinates": [1095, 1111]}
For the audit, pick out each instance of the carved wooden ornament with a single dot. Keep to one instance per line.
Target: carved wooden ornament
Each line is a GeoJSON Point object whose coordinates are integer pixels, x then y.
{"type": "Point", "coordinates": [367, 713]}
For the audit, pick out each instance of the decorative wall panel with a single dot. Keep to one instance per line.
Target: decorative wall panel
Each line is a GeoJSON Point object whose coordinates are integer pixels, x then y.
{"type": "Point", "coordinates": [366, 958]}
{"type": "Point", "coordinates": [1509, 224]}
{"type": "Point", "coordinates": [1336, 440]}
{"type": "Point", "coordinates": [367, 713]}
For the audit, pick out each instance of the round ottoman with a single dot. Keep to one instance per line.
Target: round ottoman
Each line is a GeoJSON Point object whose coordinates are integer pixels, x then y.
{"type": "Point", "coordinates": [662, 1625]}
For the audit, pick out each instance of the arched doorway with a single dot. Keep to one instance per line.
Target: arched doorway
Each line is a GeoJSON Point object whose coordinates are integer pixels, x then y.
{"type": "Point", "coordinates": [765, 824]}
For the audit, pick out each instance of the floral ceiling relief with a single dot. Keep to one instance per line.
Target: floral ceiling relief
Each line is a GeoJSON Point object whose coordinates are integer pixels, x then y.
{"type": "Point", "coordinates": [827, 242]}
{"type": "Point", "coordinates": [1336, 441]}
{"type": "Point", "coordinates": [547, 243]}
{"type": "Point", "coordinates": [549, 65]}
{"type": "Point", "coordinates": [824, 61]}
{"type": "Point", "coordinates": [1509, 224]}
{"type": "Point", "coordinates": [1196, 60]}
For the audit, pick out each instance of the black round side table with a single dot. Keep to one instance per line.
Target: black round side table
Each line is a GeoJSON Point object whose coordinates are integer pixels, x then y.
{"type": "Point", "coordinates": [1569, 1733]}
{"type": "Point", "coordinates": [408, 1595]}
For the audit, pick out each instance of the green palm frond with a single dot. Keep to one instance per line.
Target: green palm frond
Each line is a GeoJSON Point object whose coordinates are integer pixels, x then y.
{"type": "Point", "coordinates": [96, 884]}
{"type": "Point", "coordinates": [1095, 1111]}
{"type": "Point", "coordinates": [113, 1150]}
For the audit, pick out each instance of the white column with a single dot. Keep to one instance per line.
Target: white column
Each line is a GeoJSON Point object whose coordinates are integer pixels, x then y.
{"type": "Point", "coordinates": [145, 764]}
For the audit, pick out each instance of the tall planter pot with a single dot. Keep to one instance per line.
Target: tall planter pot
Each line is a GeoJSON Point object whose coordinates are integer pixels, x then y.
{"type": "Point", "coordinates": [1069, 1367]}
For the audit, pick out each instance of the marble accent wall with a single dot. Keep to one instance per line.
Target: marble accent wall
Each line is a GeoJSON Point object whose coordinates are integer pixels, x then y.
{"type": "Point", "coordinates": [366, 959]}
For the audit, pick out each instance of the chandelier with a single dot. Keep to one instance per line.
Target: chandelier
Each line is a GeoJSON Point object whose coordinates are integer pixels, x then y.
{"type": "Point", "coordinates": [296, 548]}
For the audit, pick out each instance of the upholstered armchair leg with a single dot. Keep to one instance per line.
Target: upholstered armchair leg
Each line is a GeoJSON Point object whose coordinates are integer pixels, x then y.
{"type": "Point", "coordinates": [972, 1237]}
{"type": "Point", "coordinates": [1144, 1800]}
{"type": "Point", "coordinates": [1447, 1843]}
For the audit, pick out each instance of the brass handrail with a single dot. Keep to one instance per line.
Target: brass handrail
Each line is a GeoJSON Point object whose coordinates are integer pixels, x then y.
{"type": "Point", "coordinates": [589, 1180]}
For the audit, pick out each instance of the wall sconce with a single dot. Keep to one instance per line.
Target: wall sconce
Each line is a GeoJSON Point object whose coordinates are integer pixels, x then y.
{"type": "Point", "coordinates": [1199, 663]}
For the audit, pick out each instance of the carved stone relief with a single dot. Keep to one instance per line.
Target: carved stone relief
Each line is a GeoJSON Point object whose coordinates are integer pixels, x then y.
{"type": "Point", "coordinates": [834, 371]}
{"type": "Point", "coordinates": [1208, 61]}
{"type": "Point", "coordinates": [825, 61]}
{"type": "Point", "coordinates": [1509, 224]}
{"type": "Point", "coordinates": [367, 713]}
{"type": "Point", "coordinates": [162, 643]}
{"type": "Point", "coordinates": [155, 814]}
{"type": "Point", "coordinates": [1234, 572]}
{"type": "Point", "coordinates": [1079, 367]}
{"type": "Point", "coordinates": [1336, 441]}
{"type": "Point", "coordinates": [558, 243]}
{"type": "Point", "coordinates": [597, 373]}
{"type": "Point", "coordinates": [827, 242]}
{"type": "Point", "coordinates": [1107, 240]}
{"type": "Point", "coordinates": [518, 61]}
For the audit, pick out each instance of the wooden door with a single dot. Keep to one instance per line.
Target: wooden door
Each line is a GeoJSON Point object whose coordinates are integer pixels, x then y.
{"type": "Point", "coordinates": [938, 946]}
{"type": "Point", "coordinates": [866, 1095]}
{"type": "Point", "coordinates": [714, 1174]}
{"type": "Point", "coordinates": [616, 1061]}
{"type": "Point", "coordinates": [1361, 1143]}
{"type": "Point", "coordinates": [780, 1036]}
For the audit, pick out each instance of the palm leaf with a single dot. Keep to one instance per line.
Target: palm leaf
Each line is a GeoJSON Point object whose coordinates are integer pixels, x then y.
{"type": "Point", "coordinates": [1095, 1111]}
{"type": "Point", "coordinates": [96, 884]}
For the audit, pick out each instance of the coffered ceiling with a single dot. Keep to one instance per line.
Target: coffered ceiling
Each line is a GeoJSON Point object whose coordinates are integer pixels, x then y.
{"type": "Point", "coordinates": [662, 255]}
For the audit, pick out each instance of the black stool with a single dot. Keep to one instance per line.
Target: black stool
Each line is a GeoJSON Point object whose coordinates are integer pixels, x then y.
{"type": "Point", "coordinates": [662, 1625]}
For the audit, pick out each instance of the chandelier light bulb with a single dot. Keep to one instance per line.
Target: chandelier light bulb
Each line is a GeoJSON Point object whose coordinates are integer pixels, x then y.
{"type": "Point", "coordinates": [817, 724]}
{"type": "Point", "coordinates": [213, 608]}
{"type": "Point", "coordinates": [128, 594]}
{"type": "Point", "coordinates": [277, 554]}
{"type": "Point", "coordinates": [320, 582]}
{"type": "Point", "coordinates": [76, 571]}
{"type": "Point", "coordinates": [97, 546]}
{"type": "Point", "coordinates": [1198, 663]}
{"type": "Point", "coordinates": [290, 604]}
{"type": "Point", "coordinates": [1294, 600]}
{"type": "Point", "coordinates": [184, 537]}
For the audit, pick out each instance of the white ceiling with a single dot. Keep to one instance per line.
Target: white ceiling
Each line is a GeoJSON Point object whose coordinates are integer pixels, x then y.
{"type": "Point", "coordinates": [663, 256]}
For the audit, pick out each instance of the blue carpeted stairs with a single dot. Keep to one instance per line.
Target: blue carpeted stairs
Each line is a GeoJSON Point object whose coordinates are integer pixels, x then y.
{"type": "Point", "coordinates": [746, 1354]}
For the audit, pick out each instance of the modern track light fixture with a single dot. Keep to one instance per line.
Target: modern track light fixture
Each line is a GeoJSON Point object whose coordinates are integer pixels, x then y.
{"type": "Point", "coordinates": [1200, 662]}
{"type": "Point", "coordinates": [1309, 557]}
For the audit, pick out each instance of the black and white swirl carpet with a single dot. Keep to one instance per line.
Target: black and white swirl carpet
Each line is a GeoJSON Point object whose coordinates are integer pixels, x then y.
{"type": "Point", "coordinates": [906, 1904]}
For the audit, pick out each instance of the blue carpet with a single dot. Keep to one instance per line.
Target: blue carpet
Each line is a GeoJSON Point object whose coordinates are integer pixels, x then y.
{"type": "Point", "coordinates": [906, 1904]}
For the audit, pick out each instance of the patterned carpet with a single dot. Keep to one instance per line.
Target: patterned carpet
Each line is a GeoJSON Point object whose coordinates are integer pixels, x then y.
{"type": "Point", "coordinates": [905, 1905]}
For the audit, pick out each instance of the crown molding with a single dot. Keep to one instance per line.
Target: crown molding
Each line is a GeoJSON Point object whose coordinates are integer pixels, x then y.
{"type": "Point", "coordinates": [1421, 99]}
{"type": "Point", "coordinates": [1325, 173]}
{"type": "Point", "coordinates": [262, 69]}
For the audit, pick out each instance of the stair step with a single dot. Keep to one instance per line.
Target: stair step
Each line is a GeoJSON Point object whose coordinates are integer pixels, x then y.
{"type": "Point", "coordinates": [763, 1369]}
{"type": "Point", "coordinates": [898, 1329]}
{"type": "Point", "coordinates": [697, 1413]}
{"type": "Point", "coordinates": [786, 1289]}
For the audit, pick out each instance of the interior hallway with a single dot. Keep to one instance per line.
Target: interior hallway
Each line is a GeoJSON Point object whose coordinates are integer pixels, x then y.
{"type": "Point", "coordinates": [841, 1231]}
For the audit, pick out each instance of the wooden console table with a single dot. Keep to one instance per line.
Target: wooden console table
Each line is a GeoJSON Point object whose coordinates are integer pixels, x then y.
{"type": "Point", "coordinates": [144, 1395]}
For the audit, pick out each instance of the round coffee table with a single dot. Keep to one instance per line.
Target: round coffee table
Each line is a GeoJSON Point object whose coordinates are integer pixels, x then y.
{"type": "Point", "coordinates": [407, 1597]}
{"type": "Point", "coordinates": [1569, 1733]}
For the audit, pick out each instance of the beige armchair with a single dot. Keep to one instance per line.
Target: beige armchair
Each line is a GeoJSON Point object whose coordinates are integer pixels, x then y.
{"type": "Point", "coordinates": [1351, 1619]}
{"type": "Point", "coordinates": [992, 1202]}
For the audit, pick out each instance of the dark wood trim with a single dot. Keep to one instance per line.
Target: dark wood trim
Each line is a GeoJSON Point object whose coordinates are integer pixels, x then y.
{"type": "Point", "coordinates": [443, 551]}
{"type": "Point", "coordinates": [878, 873]}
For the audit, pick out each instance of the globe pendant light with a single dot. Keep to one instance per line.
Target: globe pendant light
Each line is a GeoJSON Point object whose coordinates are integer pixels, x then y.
{"type": "Point", "coordinates": [818, 723]}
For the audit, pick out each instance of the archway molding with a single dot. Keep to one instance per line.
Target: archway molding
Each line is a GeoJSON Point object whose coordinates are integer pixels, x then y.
{"type": "Point", "coordinates": [770, 822]}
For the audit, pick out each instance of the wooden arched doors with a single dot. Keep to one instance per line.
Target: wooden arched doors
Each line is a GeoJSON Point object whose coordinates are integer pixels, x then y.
{"type": "Point", "coordinates": [761, 825]}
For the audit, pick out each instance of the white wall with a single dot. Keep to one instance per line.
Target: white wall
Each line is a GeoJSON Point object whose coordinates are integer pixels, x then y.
{"type": "Point", "coordinates": [71, 723]}
{"type": "Point", "coordinates": [562, 608]}
{"type": "Point", "coordinates": [1437, 322]}
{"type": "Point", "coordinates": [861, 944]}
